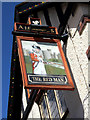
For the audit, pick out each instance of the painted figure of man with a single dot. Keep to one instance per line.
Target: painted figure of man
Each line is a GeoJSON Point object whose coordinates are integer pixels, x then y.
{"type": "Point", "coordinates": [37, 60]}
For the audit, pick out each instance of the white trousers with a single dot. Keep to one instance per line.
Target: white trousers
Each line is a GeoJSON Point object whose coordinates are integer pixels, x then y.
{"type": "Point", "coordinates": [40, 68]}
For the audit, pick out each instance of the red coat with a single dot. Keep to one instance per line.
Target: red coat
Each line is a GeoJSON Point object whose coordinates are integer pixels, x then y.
{"type": "Point", "coordinates": [34, 57]}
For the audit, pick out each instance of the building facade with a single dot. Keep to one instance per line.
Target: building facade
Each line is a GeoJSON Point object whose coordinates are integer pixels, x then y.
{"type": "Point", "coordinates": [70, 19]}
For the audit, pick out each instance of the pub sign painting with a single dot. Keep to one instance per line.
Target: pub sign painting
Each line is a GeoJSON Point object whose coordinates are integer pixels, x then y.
{"type": "Point", "coordinates": [42, 64]}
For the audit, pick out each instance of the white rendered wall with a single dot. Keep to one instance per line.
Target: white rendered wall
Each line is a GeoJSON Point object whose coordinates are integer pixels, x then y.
{"type": "Point", "coordinates": [89, 71]}
{"type": "Point", "coordinates": [76, 54]}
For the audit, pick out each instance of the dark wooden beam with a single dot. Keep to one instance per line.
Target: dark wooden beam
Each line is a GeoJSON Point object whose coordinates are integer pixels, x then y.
{"type": "Point", "coordinates": [16, 16]}
{"type": "Point", "coordinates": [46, 15]}
{"type": "Point", "coordinates": [35, 15]}
{"type": "Point", "coordinates": [15, 89]}
{"type": "Point", "coordinates": [18, 33]}
{"type": "Point", "coordinates": [88, 52]}
{"type": "Point", "coordinates": [65, 18]}
{"type": "Point", "coordinates": [59, 12]}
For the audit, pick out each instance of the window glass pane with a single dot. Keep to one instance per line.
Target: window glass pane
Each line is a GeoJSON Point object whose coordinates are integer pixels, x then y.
{"type": "Point", "coordinates": [44, 109]}
{"type": "Point", "coordinates": [61, 102]}
{"type": "Point", "coordinates": [52, 104]}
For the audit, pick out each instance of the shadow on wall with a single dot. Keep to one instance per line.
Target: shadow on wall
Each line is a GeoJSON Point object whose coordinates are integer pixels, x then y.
{"type": "Point", "coordinates": [73, 101]}
{"type": "Point", "coordinates": [72, 98]}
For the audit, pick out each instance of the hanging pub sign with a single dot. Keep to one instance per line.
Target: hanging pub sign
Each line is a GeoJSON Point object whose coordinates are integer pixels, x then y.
{"type": "Point", "coordinates": [43, 64]}
{"type": "Point", "coordinates": [42, 61]}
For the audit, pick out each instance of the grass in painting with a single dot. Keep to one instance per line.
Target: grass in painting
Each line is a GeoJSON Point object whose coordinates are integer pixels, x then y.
{"type": "Point", "coordinates": [54, 71]}
{"type": "Point", "coordinates": [28, 64]}
{"type": "Point", "coordinates": [54, 60]}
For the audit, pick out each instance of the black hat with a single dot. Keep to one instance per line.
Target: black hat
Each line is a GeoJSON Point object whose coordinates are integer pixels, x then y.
{"type": "Point", "coordinates": [34, 46]}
